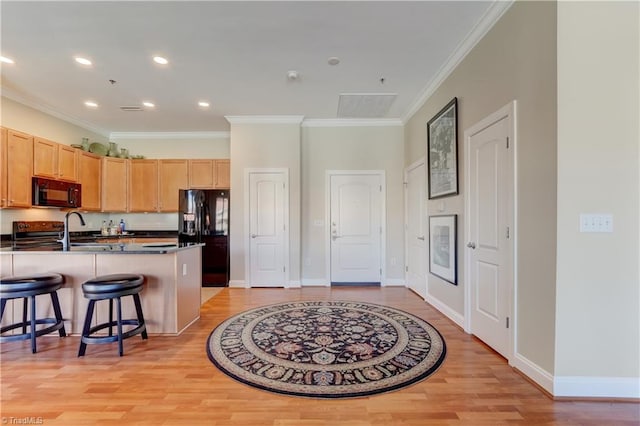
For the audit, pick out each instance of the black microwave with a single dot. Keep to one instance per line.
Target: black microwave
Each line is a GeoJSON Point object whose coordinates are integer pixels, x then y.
{"type": "Point", "coordinates": [56, 193]}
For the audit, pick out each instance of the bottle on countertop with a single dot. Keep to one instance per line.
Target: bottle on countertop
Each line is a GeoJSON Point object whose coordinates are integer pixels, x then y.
{"type": "Point", "coordinates": [121, 227]}
{"type": "Point", "coordinates": [104, 230]}
{"type": "Point", "coordinates": [113, 229]}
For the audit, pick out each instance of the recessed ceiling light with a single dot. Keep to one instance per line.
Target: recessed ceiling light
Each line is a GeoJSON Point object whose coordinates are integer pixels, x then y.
{"type": "Point", "coordinates": [203, 104]}
{"type": "Point", "coordinates": [160, 60]}
{"type": "Point", "coordinates": [148, 104]}
{"type": "Point", "coordinates": [82, 61]}
{"type": "Point", "coordinates": [6, 60]}
{"type": "Point", "coordinates": [91, 104]}
{"type": "Point", "coordinates": [334, 60]}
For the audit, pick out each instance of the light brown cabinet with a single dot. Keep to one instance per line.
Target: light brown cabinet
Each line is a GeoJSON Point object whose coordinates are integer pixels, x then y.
{"type": "Point", "coordinates": [174, 175]}
{"type": "Point", "coordinates": [89, 176]}
{"type": "Point", "coordinates": [209, 174]}
{"type": "Point", "coordinates": [19, 161]}
{"type": "Point", "coordinates": [67, 163]}
{"type": "Point", "coordinates": [201, 174]}
{"type": "Point", "coordinates": [114, 184]}
{"type": "Point", "coordinates": [53, 160]}
{"type": "Point", "coordinates": [3, 167]}
{"type": "Point", "coordinates": [223, 174]}
{"type": "Point", "coordinates": [143, 186]}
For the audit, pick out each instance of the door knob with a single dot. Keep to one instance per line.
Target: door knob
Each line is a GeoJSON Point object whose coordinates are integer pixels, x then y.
{"type": "Point", "coordinates": [253, 235]}
{"type": "Point", "coordinates": [334, 236]}
{"type": "Point", "coordinates": [471, 245]}
{"type": "Point", "coordinates": [421, 238]}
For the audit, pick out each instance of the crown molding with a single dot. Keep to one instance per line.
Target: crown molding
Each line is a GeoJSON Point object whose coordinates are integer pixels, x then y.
{"type": "Point", "coordinates": [169, 135]}
{"type": "Point", "coordinates": [352, 122]}
{"type": "Point", "coordinates": [488, 20]}
{"type": "Point", "coordinates": [49, 110]}
{"type": "Point", "coordinates": [264, 119]}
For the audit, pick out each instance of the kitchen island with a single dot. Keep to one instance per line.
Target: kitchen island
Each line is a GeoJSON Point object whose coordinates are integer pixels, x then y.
{"type": "Point", "coordinates": [171, 294]}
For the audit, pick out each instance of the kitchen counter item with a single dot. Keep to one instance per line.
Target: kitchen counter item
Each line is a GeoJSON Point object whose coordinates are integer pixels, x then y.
{"type": "Point", "coordinates": [98, 148]}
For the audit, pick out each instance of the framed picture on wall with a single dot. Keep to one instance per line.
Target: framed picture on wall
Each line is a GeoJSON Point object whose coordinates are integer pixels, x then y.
{"type": "Point", "coordinates": [442, 151]}
{"type": "Point", "coordinates": [442, 247]}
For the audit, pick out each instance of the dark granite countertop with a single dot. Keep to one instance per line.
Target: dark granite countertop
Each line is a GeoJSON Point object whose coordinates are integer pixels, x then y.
{"type": "Point", "coordinates": [111, 248]}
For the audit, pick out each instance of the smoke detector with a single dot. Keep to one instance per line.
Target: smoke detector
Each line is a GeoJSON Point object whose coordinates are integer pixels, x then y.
{"type": "Point", "coordinates": [292, 75]}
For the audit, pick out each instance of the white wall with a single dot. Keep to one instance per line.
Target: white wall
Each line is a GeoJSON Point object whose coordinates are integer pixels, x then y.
{"type": "Point", "coordinates": [183, 147]}
{"type": "Point", "coordinates": [350, 148]}
{"type": "Point", "coordinates": [598, 283]}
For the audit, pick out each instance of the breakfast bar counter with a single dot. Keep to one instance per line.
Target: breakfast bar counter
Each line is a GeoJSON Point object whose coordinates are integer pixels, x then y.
{"type": "Point", "coordinates": [171, 294]}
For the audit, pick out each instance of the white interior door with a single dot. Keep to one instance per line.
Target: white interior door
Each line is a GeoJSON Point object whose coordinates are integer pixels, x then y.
{"type": "Point", "coordinates": [267, 229]}
{"type": "Point", "coordinates": [356, 228]}
{"type": "Point", "coordinates": [416, 257]}
{"type": "Point", "coordinates": [489, 244]}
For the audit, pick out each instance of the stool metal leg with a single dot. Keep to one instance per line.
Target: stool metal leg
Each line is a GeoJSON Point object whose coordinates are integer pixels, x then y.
{"type": "Point", "coordinates": [58, 312]}
{"type": "Point", "coordinates": [33, 324]}
{"type": "Point", "coordinates": [136, 301]}
{"type": "Point", "coordinates": [3, 304]}
{"type": "Point", "coordinates": [111, 316]}
{"type": "Point", "coordinates": [25, 309]}
{"type": "Point", "coordinates": [86, 327]}
{"type": "Point", "coordinates": [119, 309]}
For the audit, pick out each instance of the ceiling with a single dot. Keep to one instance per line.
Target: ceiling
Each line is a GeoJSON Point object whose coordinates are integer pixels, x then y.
{"type": "Point", "coordinates": [236, 55]}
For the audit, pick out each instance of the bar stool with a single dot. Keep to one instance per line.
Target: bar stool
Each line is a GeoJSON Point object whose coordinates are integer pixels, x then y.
{"type": "Point", "coordinates": [110, 287]}
{"type": "Point", "coordinates": [27, 287]}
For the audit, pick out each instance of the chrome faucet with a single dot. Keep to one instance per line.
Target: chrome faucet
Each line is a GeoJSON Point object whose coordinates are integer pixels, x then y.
{"type": "Point", "coordinates": [65, 237]}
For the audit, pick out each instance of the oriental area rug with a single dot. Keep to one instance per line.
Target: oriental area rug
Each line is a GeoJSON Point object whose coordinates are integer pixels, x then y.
{"type": "Point", "coordinates": [326, 349]}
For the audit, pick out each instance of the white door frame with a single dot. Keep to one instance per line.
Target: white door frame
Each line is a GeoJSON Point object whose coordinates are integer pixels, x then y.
{"type": "Point", "coordinates": [247, 221]}
{"type": "Point", "coordinates": [509, 112]}
{"type": "Point", "coordinates": [418, 163]}
{"type": "Point", "coordinates": [327, 220]}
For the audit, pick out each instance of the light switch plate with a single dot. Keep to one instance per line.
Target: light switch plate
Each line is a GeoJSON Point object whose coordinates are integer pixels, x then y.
{"type": "Point", "coordinates": [590, 222]}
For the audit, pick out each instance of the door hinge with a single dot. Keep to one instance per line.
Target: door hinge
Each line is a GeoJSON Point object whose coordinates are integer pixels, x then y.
{"type": "Point", "coordinates": [507, 322]}
{"type": "Point", "coordinates": [380, 271]}
{"type": "Point", "coordinates": [380, 188]}
{"type": "Point", "coordinates": [406, 269]}
{"type": "Point", "coordinates": [284, 269]}
{"type": "Point", "coordinates": [507, 142]}
{"type": "Point", "coordinates": [508, 233]}
{"type": "Point", "coordinates": [381, 230]}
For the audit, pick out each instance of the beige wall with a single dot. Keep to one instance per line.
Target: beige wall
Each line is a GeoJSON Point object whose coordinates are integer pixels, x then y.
{"type": "Point", "coordinates": [186, 147]}
{"type": "Point", "coordinates": [598, 283]}
{"type": "Point", "coordinates": [26, 119]}
{"type": "Point", "coordinates": [515, 60]}
{"type": "Point", "coordinates": [263, 146]}
{"type": "Point", "coordinates": [350, 148]}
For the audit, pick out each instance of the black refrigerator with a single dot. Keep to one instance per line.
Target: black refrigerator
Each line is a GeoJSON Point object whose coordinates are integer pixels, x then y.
{"type": "Point", "coordinates": [204, 218]}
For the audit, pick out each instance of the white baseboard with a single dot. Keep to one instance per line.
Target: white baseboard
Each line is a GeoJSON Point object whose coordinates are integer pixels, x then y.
{"type": "Point", "coordinates": [237, 284]}
{"type": "Point", "coordinates": [315, 282]}
{"type": "Point", "coordinates": [293, 284]}
{"type": "Point", "coordinates": [394, 282]}
{"type": "Point", "coordinates": [445, 310]}
{"type": "Point", "coordinates": [596, 387]}
{"type": "Point", "coordinates": [533, 371]}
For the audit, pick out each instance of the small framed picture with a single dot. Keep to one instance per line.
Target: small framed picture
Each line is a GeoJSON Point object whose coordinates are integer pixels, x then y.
{"type": "Point", "coordinates": [442, 151]}
{"type": "Point", "coordinates": [442, 247]}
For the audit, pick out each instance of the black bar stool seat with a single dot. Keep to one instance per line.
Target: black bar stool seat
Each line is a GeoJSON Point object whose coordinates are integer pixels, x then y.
{"type": "Point", "coordinates": [110, 287]}
{"type": "Point", "coordinates": [27, 287]}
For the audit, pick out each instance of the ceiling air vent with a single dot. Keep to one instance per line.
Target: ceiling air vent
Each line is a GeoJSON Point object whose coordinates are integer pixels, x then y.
{"type": "Point", "coordinates": [131, 108]}
{"type": "Point", "coordinates": [365, 105]}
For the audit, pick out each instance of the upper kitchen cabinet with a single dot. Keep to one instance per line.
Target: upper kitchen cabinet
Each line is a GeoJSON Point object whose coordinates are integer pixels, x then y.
{"type": "Point", "coordinates": [3, 167]}
{"type": "Point", "coordinates": [201, 174]}
{"type": "Point", "coordinates": [89, 176]}
{"type": "Point", "coordinates": [53, 160]}
{"type": "Point", "coordinates": [18, 155]}
{"type": "Point", "coordinates": [174, 175]}
{"type": "Point", "coordinates": [143, 186]}
{"type": "Point", "coordinates": [115, 184]}
{"type": "Point", "coordinates": [223, 174]}
{"type": "Point", "coordinates": [209, 174]}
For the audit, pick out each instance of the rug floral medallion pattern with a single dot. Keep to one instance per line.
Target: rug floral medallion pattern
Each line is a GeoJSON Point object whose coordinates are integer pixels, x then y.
{"type": "Point", "coordinates": [326, 349]}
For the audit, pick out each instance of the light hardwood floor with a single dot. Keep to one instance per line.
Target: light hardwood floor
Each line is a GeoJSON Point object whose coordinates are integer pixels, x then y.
{"type": "Point", "coordinates": [170, 381]}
